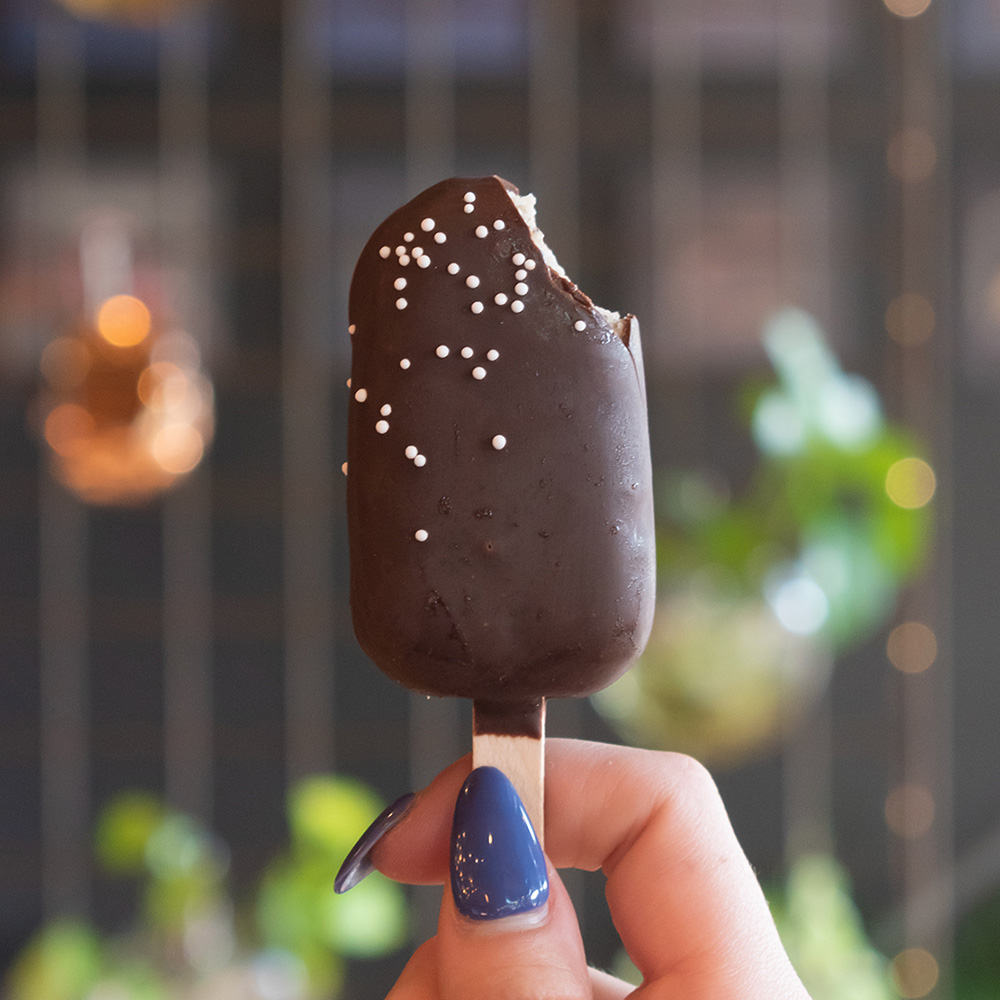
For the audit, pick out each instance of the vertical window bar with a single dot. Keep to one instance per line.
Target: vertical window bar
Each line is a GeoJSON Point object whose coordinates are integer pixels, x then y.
{"type": "Point", "coordinates": [926, 400]}
{"type": "Point", "coordinates": [307, 445]}
{"type": "Point", "coordinates": [805, 269]}
{"type": "Point", "coordinates": [435, 736]}
{"type": "Point", "coordinates": [64, 688]}
{"type": "Point", "coordinates": [554, 115]}
{"type": "Point", "coordinates": [187, 536]}
{"type": "Point", "coordinates": [676, 183]}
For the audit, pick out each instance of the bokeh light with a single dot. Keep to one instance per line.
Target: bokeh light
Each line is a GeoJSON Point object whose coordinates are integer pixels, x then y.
{"type": "Point", "coordinates": [909, 810]}
{"type": "Point", "coordinates": [123, 320]}
{"type": "Point", "coordinates": [915, 973]}
{"type": "Point", "coordinates": [909, 319]}
{"type": "Point", "coordinates": [911, 154]}
{"type": "Point", "coordinates": [907, 8]}
{"type": "Point", "coordinates": [910, 483]}
{"type": "Point", "coordinates": [67, 427]}
{"type": "Point", "coordinates": [911, 647]}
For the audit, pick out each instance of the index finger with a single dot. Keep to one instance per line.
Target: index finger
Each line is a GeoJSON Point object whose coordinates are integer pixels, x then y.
{"type": "Point", "coordinates": [681, 892]}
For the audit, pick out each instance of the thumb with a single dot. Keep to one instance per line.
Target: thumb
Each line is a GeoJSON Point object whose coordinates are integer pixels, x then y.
{"type": "Point", "coordinates": [507, 930]}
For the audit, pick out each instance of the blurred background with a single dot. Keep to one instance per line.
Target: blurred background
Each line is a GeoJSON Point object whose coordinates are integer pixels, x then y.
{"type": "Point", "coordinates": [801, 201]}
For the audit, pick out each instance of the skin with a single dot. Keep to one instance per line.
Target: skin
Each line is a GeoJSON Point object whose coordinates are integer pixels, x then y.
{"type": "Point", "coordinates": [681, 892]}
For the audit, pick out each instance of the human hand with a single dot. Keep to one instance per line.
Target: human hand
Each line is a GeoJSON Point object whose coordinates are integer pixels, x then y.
{"type": "Point", "coordinates": [681, 892]}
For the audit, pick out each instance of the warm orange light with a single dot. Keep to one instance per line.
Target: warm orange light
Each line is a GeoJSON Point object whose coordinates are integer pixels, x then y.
{"type": "Point", "coordinates": [178, 448]}
{"type": "Point", "coordinates": [67, 427]}
{"type": "Point", "coordinates": [907, 8]}
{"type": "Point", "coordinates": [909, 810]}
{"type": "Point", "coordinates": [915, 973]}
{"type": "Point", "coordinates": [153, 379]}
{"type": "Point", "coordinates": [910, 483]}
{"type": "Point", "coordinates": [65, 362]}
{"type": "Point", "coordinates": [912, 154]}
{"type": "Point", "coordinates": [123, 321]}
{"type": "Point", "coordinates": [911, 647]}
{"type": "Point", "coordinates": [909, 319]}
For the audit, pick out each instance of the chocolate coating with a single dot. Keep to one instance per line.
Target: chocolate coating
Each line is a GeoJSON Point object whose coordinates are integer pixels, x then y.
{"type": "Point", "coordinates": [499, 497]}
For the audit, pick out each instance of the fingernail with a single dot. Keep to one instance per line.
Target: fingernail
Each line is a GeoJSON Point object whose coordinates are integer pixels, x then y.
{"type": "Point", "coordinates": [357, 865]}
{"type": "Point", "coordinates": [497, 865]}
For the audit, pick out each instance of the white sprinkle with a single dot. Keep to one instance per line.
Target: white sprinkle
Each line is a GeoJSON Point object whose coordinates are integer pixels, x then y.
{"type": "Point", "coordinates": [386, 410]}
{"type": "Point", "coordinates": [420, 461]}
{"type": "Point", "coordinates": [453, 268]}
{"type": "Point", "coordinates": [351, 329]}
{"type": "Point", "coordinates": [384, 252]}
{"type": "Point", "coordinates": [399, 284]}
{"type": "Point", "coordinates": [500, 299]}
{"type": "Point", "coordinates": [439, 237]}
{"type": "Point", "coordinates": [477, 307]}
{"type": "Point", "coordinates": [529, 264]}
{"type": "Point", "coordinates": [472, 281]}
{"type": "Point", "coordinates": [467, 352]}
{"type": "Point", "coordinates": [498, 225]}
{"type": "Point", "coordinates": [416, 252]}
{"type": "Point", "coordinates": [423, 261]}
{"type": "Point", "coordinates": [427, 225]}
{"type": "Point", "coordinates": [492, 354]}
{"type": "Point", "coordinates": [517, 306]}
{"type": "Point", "coordinates": [400, 250]}
{"type": "Point", "coordinates": [382, 426]}
{"type": "Point", "coordinates": [520, 274]}
{"type": "Point", "coordinates": [401, 303]}
{"type": "Point", "coordinates": [442, 350]}
{"type": "Point", "coordinates": [517, 260]}
{"type": "Point", "coordinates": [499, 442]}
{"type": "Point", "coordinates": [361, 395]}
{"type": "Point", "coordinates": [408, 237]}
{"type": "Point", "coordinates": [469, 196]}
{"type": "Point", "coordinates": [579, 325]}
{"type": "Point", "coordinates": [343, 468]}
{"type": "Point", "coordinates": [404, 363]}
{"type": "Point", "coordinates": [521, 288]}
{"type": "Point", "coordinates": [469, 209]}
{"type": "Point", "coordinates": [411, 451]}
{"type": "Point", "coordinates": [481, 231]}
{"type": "Point", "coordinates": [420, 535]}
{"type": "Point", "coordinates": [404, 259]}
{"type": "Point", "coordinates": [479, 373]}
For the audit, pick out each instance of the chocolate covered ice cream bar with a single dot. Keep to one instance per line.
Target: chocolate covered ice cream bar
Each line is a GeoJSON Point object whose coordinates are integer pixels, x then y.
{"type": "Point", "coordinates": [498, 478]}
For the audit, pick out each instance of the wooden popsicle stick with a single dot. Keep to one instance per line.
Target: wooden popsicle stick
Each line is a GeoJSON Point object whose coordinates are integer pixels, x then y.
{"type": "Point", "coordinates": [520, 754]}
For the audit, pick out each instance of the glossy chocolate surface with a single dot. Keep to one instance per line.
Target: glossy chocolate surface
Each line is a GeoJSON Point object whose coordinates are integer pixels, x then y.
{"type": "Point", "coordinates": [498, 481]}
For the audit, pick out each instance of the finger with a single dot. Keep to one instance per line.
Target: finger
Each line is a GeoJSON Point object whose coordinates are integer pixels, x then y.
{"type": "Point", "coordinates": [418, 980]}
{"type": "Point", "coordinates": [607, 987]}
{"type": "Point", "coordinates": [507, 930]}
{"type": "Point", "coordinates": [513, 958]}
{"type": "Point", "coordinates": [682, 894]}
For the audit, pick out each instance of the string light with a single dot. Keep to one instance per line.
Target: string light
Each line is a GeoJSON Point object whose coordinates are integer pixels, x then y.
{"type": "Point", "coordinates": [123, 321]}
{"type": "Point", "coordinates": [911, 647]}
{"type": "Point", "coordinates": [915, 972]}
{"type": "Point", "coordinates": [910, 483]}
{"type": "Point", "coordinates": [907, 8]}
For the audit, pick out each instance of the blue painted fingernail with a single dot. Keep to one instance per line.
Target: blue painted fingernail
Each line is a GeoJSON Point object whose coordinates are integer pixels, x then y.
{"type": "Point", "coordinates": [497, 865]}
{"type": "Point", "coordinates": [357, 865]}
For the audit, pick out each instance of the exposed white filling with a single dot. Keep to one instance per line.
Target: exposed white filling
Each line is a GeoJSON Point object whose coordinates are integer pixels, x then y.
{"type": "Point", "coordinates": [525, 204]}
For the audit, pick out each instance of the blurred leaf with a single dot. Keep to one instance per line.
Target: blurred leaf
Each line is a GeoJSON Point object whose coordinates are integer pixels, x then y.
{"type": "Point", "coordinates": [123, 831]}
{"type": "Point", "coordinates": [62, 962]}
{"type": "Point", "coordinates": [327, 813]}
{"type": "Point", "coordinates": [822, 931]}
{"type": "Point", "coordinates": [370, 920]}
